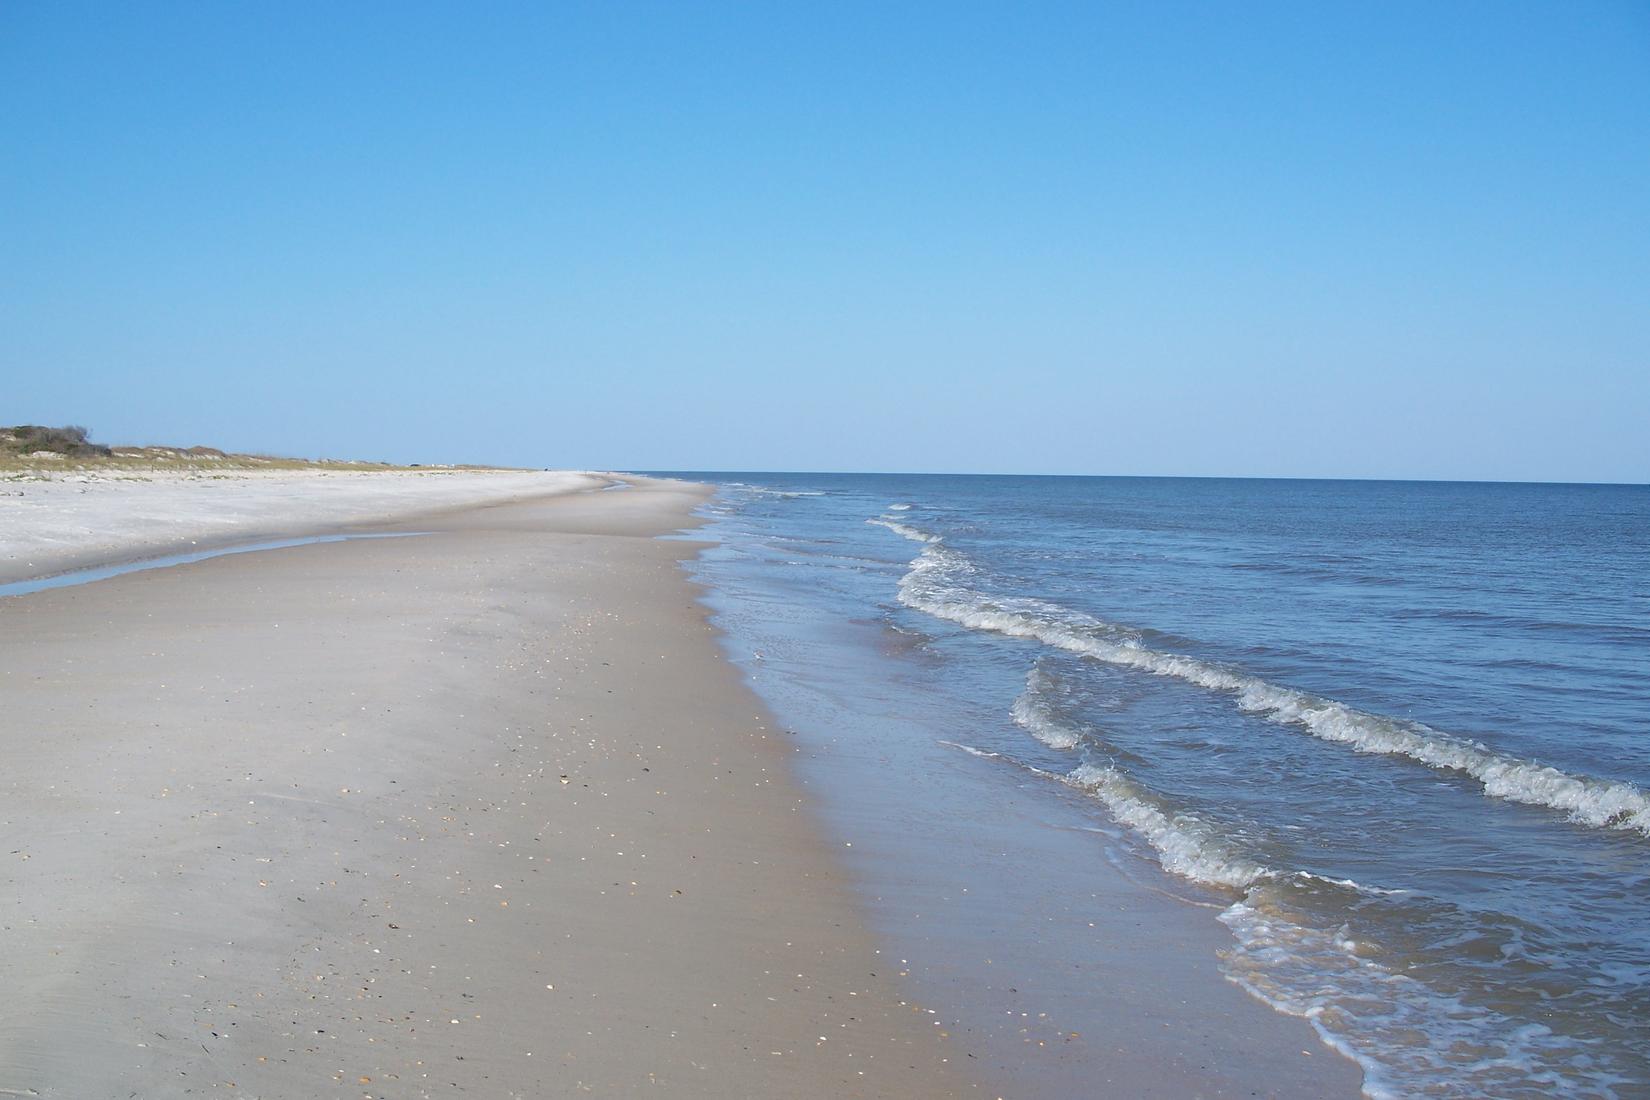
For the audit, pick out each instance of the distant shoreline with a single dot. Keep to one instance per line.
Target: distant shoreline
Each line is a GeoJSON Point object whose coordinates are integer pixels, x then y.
{"type": "Point", "coordinates": [76, 519]}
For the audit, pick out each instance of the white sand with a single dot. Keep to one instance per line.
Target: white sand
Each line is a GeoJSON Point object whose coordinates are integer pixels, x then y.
{"type": "Point", "coordinates": [51, 522]}
{"type": "Point", "coordinates": [481, 813]}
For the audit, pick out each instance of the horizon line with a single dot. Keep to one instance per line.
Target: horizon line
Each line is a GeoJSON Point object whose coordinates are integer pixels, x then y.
{"type": "Point", "coordinates": [1152, 477]}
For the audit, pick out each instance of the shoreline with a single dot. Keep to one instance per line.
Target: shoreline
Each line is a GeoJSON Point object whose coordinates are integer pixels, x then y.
{"type": "Point", "coordinates": [1064, 957]}
{"type": "Point", "coordinates": [829, 918]}
{"type": "Point", "coordinates": [485, 809]}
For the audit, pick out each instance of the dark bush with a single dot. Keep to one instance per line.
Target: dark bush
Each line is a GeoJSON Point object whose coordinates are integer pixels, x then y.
{"type": "Point", "coordinates": [70, 440]}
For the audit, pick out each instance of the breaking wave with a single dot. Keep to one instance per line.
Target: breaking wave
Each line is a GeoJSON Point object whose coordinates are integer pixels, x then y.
{"type": "Point", "coordinates": [1034, 713]}
{"type": "Point", "coordinates": [1296, 951]}
{"type": "Point", "coordinates": [1185, 845]}
{"type": "Point", "coordinates": [937, 583]}
{"type": "Point", "coordinates": [903, 530]}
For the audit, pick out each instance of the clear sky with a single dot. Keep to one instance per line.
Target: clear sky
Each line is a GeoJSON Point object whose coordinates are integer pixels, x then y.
{"type": "Point", "coordinates": [1343, 239]}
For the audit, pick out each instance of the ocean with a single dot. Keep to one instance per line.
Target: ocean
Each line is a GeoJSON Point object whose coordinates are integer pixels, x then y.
{"type": "Point", "coordinates": [1394, 737]}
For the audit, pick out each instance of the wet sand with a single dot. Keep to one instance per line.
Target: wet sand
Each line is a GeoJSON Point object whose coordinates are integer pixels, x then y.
{"type": "Point", "coordinates": [482, 811]}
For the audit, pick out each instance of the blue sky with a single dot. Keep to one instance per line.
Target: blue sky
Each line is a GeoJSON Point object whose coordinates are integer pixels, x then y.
{"type": "Point", "coordinates": [1343, 240]}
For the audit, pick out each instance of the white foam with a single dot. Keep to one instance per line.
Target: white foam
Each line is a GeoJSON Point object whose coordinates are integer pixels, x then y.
{"type": "Point", "coordinates": [1292, 952]}
{"type": "Point", "coordinates": [1410, 1038]}
{"type": "Point", "coordinates": [972, 751]}
{"type": "Point", "coordinates": [1185, 845]}
{"type": "Point", "coordinates": [782, 494]}
{"type": "Point", "coordinates": [902, 530]}
{"type": "Point", "coordinates": [1033, 713]}
{"type": "Point", "coordinates": [934, 585]}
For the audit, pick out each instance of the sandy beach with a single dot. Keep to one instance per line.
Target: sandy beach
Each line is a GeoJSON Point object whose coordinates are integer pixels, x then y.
{"type": "Point", "coordinates": [479, 811]}
{"type": "Point", "coordinates": [484, 808]}
{"type": "Point", "coordinates": [1052, 552]}
{"type": "Point", "coordinates": [52, 521]}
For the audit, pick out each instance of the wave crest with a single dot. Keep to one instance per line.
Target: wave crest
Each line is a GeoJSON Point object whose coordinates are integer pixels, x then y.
{"type": "Point", "coordinates": [935, 584]}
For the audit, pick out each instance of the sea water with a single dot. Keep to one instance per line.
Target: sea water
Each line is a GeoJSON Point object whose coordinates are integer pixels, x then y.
{"type": "Point", "coordinates": [1401, 731]}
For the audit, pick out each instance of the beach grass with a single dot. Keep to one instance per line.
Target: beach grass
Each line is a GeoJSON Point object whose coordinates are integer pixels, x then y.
{"type": "Point", "coordinates": [29, 450]}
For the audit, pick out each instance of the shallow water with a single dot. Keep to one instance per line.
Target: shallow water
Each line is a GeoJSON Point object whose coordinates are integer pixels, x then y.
{"type": "Point", "coordinates": [1400, 729]}
{"type": "Point", "coordinates": [75, 577]}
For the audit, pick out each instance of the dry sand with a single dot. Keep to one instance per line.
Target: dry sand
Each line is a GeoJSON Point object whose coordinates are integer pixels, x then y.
{"type": "Point", "coordinates": [55, 521]}
{"type": "Point", "coordinates": [477, 812]}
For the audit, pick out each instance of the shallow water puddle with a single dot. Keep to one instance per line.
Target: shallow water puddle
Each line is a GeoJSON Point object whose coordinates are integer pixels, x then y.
{"type": "Point", "coordinates": [104, 572]}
